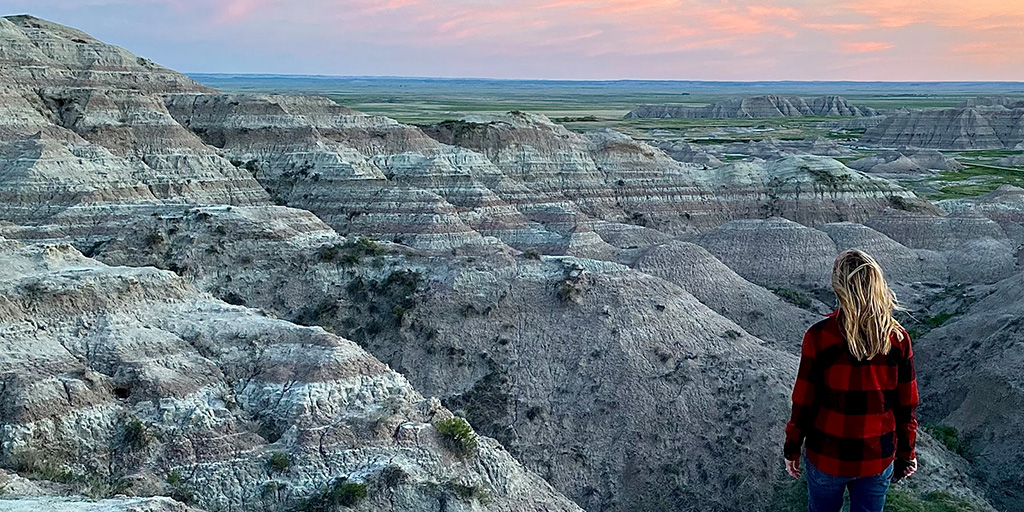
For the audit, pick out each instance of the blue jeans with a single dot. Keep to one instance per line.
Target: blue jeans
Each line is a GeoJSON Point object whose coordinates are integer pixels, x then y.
{"type": "Point", "coordinates": [825, 492]}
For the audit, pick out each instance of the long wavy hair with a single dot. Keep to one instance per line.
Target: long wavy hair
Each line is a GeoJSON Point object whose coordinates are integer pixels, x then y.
{"type": "Point", "coordinates": [866, 305]}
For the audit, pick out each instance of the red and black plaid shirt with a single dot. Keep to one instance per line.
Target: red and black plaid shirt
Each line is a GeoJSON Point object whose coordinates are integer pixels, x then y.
{"type": "Point", "coordinates": [855, 416]}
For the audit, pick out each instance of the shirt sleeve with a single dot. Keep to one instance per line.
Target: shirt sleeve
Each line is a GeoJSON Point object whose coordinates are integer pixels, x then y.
{"type": "Point", "coordinates": [906, 409]}
{"type": "Point", "coordinates": [802, 416]}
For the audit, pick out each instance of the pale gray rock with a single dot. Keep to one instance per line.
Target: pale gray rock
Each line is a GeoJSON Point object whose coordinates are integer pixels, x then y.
{"type": "Point", "coordinates": [773, 252]}
{"type": "Point", "coordinates": [51, 504]}
{"type": "Point", "coordinates": [759, 311]}
{"type": "Point", "coordinates": [899, 263]}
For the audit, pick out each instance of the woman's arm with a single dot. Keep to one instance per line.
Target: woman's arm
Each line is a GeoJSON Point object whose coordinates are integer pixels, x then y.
{"type": "Point", "coordinates": [803, 413]}
{"type": "Point", "coordinates": [905, 411]}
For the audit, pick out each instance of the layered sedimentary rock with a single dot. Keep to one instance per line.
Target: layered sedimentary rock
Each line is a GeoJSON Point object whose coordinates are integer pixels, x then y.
{"type": "Point", "coordinates": [130, 380]}
{"type": "Point", "coordinates": [760, 312]}
{"type": "Point", "coordinates": [995, 127]}
{"type": "Point", "coordinates": [40, 53]}
{"type": "Point", "coordinates": [757, 107]}
{"type": "Point", "coordinates": [86, 140]}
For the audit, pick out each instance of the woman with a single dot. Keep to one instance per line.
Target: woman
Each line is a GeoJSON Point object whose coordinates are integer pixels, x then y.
{"type": "Point", "coordinates": [855, 395]}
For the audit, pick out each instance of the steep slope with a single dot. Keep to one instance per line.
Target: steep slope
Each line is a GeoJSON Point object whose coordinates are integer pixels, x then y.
{"type": "Point", "coordinates": [757, 107]}
{"type": "Point", "coordinates": [129, 380]}
{"type": "Point", "coordinates": [975, 386]}
{"type": "Point", "coordinates": [996, 127]}
{"type": "Point", "coordinates": [87, 142]}
{"type": "Point", "coordinates": [759, 311]}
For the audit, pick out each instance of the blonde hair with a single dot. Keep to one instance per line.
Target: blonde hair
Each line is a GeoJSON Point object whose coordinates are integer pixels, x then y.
{"type": "Point", "coordinates": [866, 304]}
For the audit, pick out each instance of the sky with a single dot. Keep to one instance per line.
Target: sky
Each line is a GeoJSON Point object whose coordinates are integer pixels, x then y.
{"type": "Point", "coordinates": [897, 40]}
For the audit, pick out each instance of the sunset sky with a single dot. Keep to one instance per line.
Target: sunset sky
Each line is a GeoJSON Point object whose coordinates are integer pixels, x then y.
{"type": "Point", "coordinates": [565, 39]}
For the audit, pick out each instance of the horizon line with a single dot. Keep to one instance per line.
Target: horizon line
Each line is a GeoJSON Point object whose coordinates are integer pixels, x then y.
{"type": "Point", "coordinates": [414, 77]}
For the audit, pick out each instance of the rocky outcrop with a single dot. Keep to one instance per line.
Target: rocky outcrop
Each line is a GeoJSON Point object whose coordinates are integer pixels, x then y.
{"type": "Point", "coordinates": [757, 107]}
{"type": "Point", "coordinates": [906, 163]}
{"type": "Point", "coordinates": [130, 380]}
{"type": "Point", "coordinates": [996, 127]}
{"type": "Point", "coordinates": [40, 53]}
{"type": "Point", "coordinates": [972, 367]}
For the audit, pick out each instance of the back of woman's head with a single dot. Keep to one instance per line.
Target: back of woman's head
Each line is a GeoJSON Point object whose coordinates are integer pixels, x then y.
{"type": "Point", "coordinates": [866, 304]}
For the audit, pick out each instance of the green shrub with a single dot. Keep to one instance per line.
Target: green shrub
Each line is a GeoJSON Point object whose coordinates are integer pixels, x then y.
{"type": "Point", "coordinates": [458, 436]}
{"type": "Point", "coordinates": [339, 493]}
{"type": "Point", "coordinates": [174, 478]}
{"type": "Point", "coordinates": [279, 462]}
{"type": "Point", "coordinates": [948, 436]}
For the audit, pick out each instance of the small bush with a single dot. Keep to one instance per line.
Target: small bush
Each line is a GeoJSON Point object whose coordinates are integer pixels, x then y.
{"type": "Point", "coordinates": [279, 462]}
{"type": "Point", "coordinates": [948, 436]}
{"type": "Point", "coordinates": [135, 435]}
{"type": "Point", "coordinates": [339, 493]}
{"type": "Point", "coordinates": [458, 436]}
{"type": "Point", "coordinates": [174, 478]}
{"type": "Point", "coordinates": [154, 239]}
{"type": "Point", "coordinates": [392, 476]}
{"type": "Point", "coordinates": [531, 254]}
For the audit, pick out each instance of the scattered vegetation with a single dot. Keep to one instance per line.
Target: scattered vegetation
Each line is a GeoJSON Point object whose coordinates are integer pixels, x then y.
{"type": "Point", "coordinates": [457, 436]}
{"type": "Point", "coordinates": [38, 465]}
{"type": "Point", "coordinates": [531, 254]}
{"type": "Point", "coordinates": [279, 462]}
{"type": "Point", "coordinates": [794, 297]}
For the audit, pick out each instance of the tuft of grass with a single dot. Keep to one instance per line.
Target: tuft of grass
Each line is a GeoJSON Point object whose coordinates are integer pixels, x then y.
{"type": "Point", "coordinates": [279, 462]}
{"type": "Point", "coordinates": [458, 436]}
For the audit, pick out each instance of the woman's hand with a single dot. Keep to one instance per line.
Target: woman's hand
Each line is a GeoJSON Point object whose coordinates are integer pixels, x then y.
{"type": "Point", "coordinates": [793, 467]}
{"type": "Point", "coordinates": [904, 468]}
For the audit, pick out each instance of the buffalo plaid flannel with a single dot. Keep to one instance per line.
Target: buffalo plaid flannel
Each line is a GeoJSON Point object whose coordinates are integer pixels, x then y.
{"type": "Point", "coordinates": [855, 416]}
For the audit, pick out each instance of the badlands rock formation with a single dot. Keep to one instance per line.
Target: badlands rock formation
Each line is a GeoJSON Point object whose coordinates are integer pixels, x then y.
{"type": "Point", "coordinates": [758, 107]}
{"type": "Point", "coordinates": [595, 306]}
{"type": "Point", "coordinates": [130, 380]}
{"type": "Point", "coordinates": [905, 162]}
{"type": "Point", "coordinates": [969, 127]}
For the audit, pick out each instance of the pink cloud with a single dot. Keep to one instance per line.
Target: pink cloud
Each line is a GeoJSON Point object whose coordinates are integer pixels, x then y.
{"type": "Point", "coordinates": [864, 46]}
